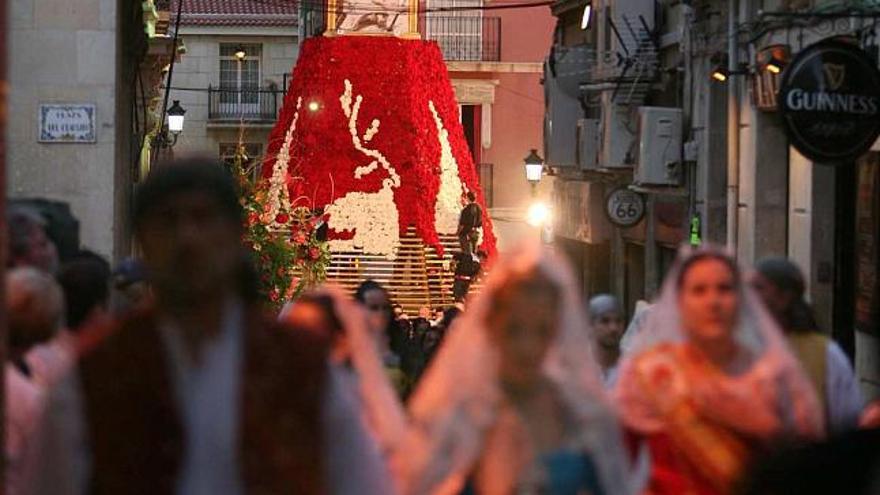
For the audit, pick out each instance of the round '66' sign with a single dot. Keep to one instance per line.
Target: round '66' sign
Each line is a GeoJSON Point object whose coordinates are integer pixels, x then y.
{"type": "Point", "coordinates": [624, 207]}
{"type": "Point", "coordinates": [830, 101]}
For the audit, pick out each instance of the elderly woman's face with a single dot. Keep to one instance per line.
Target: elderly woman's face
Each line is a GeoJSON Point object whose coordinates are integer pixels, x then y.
{"type": "Point", "coordinates": [523, 327]}
{"type": "Point", "coordinates": [708, 301]}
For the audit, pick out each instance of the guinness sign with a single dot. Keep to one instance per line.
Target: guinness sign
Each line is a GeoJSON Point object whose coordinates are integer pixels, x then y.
{"type": "Point", "coordinates": [830, 101]}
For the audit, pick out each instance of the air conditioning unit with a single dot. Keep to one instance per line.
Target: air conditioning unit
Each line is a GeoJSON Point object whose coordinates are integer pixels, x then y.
{"type": "Point", "coordinates": [562, 109]}
{"type": "Point", "coordinates": [588, 144]}
{"type": "Point", "coordinates": [659, 147]}
{"type": "Point", "coordinates": [617, 139]}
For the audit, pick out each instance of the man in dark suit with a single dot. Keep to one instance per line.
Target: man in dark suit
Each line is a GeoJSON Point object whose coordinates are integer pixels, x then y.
{"type": "Point", "coordinates": [469, 223]}
{"type": "Point", "coordinates": [467, 269]}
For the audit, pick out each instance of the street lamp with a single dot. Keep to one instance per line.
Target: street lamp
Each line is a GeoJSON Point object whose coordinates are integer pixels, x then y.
{"type": "Point", "coordinates": [240, 54]}
{"type": "Point", "coordinates": [587, 17]}
{"type": "Point", "coordinates": [538, 214]}
{"type": "Point", "coordinates": [175, 118]}
{"type": "Point", "coordinates": [720, 73]}
{"type": "Point", "coordinates": [774, 65]}
{"type": "Point", "coordinates": [534, 168]}
{"type": "Point", "coordinates": [167, 136]}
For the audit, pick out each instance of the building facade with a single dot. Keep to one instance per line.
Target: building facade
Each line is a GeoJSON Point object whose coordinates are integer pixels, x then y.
{"type": "Point", "coordinates": [81, 75]}
{"type": "Point", "coordinates": [501, 100]}
{"type": "Point", "coordinates": [494, 58]}
{"type": "Point", "coordinates": [233, 79]}
{"type": "Point", "coordinates": [677, 102]}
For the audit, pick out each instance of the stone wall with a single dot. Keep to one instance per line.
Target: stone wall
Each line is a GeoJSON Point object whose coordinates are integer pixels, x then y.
{"type": "Point", "coordinates": [65, 52]}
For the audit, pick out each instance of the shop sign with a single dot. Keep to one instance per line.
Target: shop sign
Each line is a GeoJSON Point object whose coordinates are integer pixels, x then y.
{"type": "Point", "coordinates": [69, 123]}
{"type": "Point", "coordinates": [624, 207]}
{"type": "Point", "coordinates": [830, 101]}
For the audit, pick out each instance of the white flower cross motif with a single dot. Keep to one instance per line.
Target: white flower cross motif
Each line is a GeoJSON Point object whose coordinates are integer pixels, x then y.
{"type": "Point", "coordinates": [372, 216]}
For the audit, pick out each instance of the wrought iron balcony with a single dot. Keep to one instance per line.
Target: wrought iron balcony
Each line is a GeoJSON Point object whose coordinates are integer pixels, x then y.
{"type": "Point", "coordinates": [465, 37]}
{"type": "Point", "coordinates": [468, 36]}
{"type": "Point", "coordinates": [248, 105]}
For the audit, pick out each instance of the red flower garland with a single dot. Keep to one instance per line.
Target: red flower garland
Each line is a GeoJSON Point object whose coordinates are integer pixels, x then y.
{"type": "Point", "coordinates": [396, 78]}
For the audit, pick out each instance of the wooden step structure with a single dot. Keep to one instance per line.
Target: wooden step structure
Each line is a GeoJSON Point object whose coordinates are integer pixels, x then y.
{"type": "Point", "coordinates": [418, 277]}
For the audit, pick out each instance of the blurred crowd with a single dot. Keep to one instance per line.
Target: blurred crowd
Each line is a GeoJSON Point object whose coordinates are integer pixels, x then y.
{"type": "Point", "coordinates": [165, 374]}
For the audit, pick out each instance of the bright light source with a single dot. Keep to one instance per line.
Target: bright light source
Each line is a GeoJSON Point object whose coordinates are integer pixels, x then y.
{"type": "Point", "coordinates": [314, 106]}
{"type": "Point", "coordinates": [534, 171]}
{"type": "Point", "coordinates": [774, 65]}
{"type": "Point", "coordinates": [240, 54]}
{"type": "Point", "coordinates": [175, 117]}
{"type": "Point", "coordinates": [719, 74]}
{"type": "Point", "coordinates": [175, 123]}
{"type": "Point", "coordinates": [538, 214]}
{"type": "Point", "coordinates": [588, 16]}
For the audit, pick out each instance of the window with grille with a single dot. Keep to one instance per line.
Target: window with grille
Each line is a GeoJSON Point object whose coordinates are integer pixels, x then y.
{"type": "Point", "coordinates": [240, 79]}
{"type": "Point", "coordinates": [458, 32]}
{"type": "Point", "coordinates": [254, 152]}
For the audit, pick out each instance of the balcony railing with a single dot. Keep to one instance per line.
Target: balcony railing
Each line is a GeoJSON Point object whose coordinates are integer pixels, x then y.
{"type": "Point", "coordinates": [465, 37]}
{"type": "Point", "coordinates": [249, 105]}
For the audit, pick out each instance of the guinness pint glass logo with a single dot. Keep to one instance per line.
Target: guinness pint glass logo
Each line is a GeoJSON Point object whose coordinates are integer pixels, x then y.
{"type": "Point", "coordinates": [834, 75]}
{"type": "Point", "coordinates": [830, 102]}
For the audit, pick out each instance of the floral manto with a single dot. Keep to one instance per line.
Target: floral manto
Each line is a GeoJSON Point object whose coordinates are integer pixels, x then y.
{"type": "Point", "coordinates": [370, 134]}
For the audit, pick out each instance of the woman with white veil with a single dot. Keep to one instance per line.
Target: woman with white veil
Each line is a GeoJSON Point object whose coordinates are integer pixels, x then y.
{"type": "Point", "coordinates": [709, 382]}
{"type": "Point", "coordinates": [513, 402]}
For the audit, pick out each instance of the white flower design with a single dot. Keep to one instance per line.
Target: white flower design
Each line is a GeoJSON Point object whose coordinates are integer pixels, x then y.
{"type": "Point", "coordinates": [448, 206]}
{"type": "Point", "coordinates": [373, 219]}
{"type": "Point", "coordinates": [371, 216]}
{"type": "Point", "coordinates": [351, 111]}
{"type": "Point", "coordinates": [279, 196]}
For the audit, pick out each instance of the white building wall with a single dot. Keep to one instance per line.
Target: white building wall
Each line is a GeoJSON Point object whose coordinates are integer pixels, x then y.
{"type": "Point", "coordinates": [811, 203]}
{"type": "Point", "coordinates": [201, 68]}
{"type": "Point", "coordinates": [800, 211]}
{"type": "Point", "coordinates": [747, 174]}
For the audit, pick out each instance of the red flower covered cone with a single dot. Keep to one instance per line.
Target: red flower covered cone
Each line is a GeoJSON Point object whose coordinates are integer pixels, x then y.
{"type": "Point", "coordinates": [371, 126]}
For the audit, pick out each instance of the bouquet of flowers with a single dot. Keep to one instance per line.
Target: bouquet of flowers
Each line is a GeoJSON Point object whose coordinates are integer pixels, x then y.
{"type": "Point", "coordinates": [288, 242]}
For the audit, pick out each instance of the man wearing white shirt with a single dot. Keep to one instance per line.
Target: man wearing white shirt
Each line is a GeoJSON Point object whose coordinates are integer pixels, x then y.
{"type": "Point", "coordinates": [780, 285]}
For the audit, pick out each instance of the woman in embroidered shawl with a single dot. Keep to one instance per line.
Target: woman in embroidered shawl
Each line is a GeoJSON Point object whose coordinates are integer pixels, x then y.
{"type": "Point", "coordinates": [513, 401]}
{"type": "Point", "coordinates": [709, 382]}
